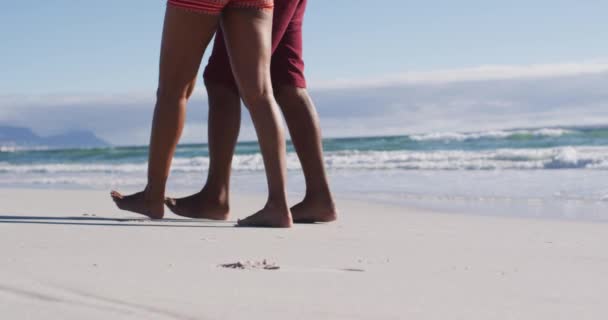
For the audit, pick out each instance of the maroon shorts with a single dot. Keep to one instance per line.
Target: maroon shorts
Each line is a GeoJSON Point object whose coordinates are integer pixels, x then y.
{"type": "Point", "coordinates": [287, 66]}
{"type": "Point", "coordinates": [215, 7]}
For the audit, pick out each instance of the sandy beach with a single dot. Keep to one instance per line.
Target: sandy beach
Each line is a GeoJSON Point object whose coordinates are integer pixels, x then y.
{"type": "Point", "coordinates": [72, 255]}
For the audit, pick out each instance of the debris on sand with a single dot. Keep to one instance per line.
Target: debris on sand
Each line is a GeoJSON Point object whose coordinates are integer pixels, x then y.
{"type": "Point", "coordinates": [251, 265]}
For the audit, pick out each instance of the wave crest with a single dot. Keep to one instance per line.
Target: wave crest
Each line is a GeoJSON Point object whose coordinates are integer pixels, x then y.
{"type": "Point", "coordinates": [497, 134]}
{"type": "Point", "coordinates": [514, 159]}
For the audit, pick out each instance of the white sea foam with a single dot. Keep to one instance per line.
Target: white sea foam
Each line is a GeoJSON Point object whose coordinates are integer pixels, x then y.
{"type": "Point", "coordinates": [495, 134]}
{"type": "Point", "coordinates": [16, 148]}
{"type": "Point", "coordinates": [589, 158]}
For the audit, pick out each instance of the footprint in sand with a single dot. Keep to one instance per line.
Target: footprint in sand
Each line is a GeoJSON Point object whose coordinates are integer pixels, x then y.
{"type": "Point", "coordinates": [251, 265]}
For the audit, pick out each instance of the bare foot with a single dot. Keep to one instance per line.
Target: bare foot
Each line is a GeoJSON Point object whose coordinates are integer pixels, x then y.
{"type": "Point", "coordinates": [199, 206]}
{"type": "Point", "coordinates": [313, 211]}
{"type": "Point", "coordinates": [139, 203]}
{"type": "Point", "coordinates": [269, 217]}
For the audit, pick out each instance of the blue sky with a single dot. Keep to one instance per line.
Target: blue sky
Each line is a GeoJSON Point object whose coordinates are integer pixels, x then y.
{"type": "Point", "coordinates": [112, 46]}
{"type": "Point", "coordinates": [397, 67]}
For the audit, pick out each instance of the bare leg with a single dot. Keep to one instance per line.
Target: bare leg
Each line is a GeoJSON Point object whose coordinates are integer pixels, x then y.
{"type": "Point", "coordinates": [303, 123]}
{"type": "Point", "coordinates": [186, 35]}
{"type": "Point", "coordinates": [212, 202]}
{"type": "Point", "coordinates": [248, 39]}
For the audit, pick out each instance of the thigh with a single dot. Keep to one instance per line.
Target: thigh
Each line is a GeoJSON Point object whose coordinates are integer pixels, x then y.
{"type": "Point", "coordinates": [186, 35]}
{"type": "Point", "coordinates": [248, 38]}
{"type": "Point", "coordinates": [218, 69]}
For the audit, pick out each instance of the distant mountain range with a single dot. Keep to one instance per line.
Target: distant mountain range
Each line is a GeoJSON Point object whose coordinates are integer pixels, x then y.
{"type": "Point", "coordinates": [25, 138]}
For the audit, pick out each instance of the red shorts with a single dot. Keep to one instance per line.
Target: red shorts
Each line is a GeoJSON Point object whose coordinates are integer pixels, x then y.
{"type": "Point", "coordinates": [287, 66]}
{"type": "Point", "coordinates": [216, 6]}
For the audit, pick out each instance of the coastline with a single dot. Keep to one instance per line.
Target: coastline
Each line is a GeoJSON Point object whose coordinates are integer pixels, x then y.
{"type": "Point", "coordinates": [70, 254]}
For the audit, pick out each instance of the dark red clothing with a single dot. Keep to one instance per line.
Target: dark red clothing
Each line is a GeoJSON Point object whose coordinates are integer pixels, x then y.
{"type": "Point", "coordinates": [287, 66]}
{"type": "Point", "coordinates": [215, 7]}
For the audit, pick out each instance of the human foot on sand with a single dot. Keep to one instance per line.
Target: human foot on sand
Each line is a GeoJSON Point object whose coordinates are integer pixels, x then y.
{"type": "Point", "coordinates": [270, 217]}
{"type": "Point", "coordinates": [314, 210]}
{"type": "Point", "coordinates": [139, 203]}
{"type": "Point", "coordinates": [200, 206]}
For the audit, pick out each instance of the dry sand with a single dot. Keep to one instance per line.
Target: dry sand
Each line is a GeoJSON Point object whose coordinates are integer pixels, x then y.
{"type": "Point", "coordinates": [71, 255]}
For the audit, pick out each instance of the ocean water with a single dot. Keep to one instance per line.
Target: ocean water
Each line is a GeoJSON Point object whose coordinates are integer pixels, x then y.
{"type": "Point", "coordinates": [544, 172]}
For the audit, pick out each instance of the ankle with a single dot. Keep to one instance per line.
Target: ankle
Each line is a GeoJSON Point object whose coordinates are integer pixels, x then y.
{"type": "Point", "coordinates": [323, 197]}
{"type": "Point", "coordinates": [154, 193]}
{"type": "Point", "coordinates": [277, 203]}
{"type": "Point", "coordinates": [215, 196]}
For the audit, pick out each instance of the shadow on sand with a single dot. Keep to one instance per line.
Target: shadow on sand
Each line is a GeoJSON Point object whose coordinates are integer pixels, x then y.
{"type": "Point", "coordinates": [116, 222]}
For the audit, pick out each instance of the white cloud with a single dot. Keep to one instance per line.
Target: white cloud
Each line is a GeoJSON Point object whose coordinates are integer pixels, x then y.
{"type": "Point", "coordinates": [480, 73]}
{"type": "Point", "coordinates": [472, 99]}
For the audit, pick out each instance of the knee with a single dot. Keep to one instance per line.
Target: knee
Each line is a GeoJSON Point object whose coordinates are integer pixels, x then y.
{"type": "Point", "coordinates": [289, 93]}
{"type": "Point", "coordinates": [293, 98]}
{"type": "Point", "coordinates": [257, 97]}
{"type": "Point", "coordinates": [222, 96]}
{"type": "Point", "coordinates": [170, 94]}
